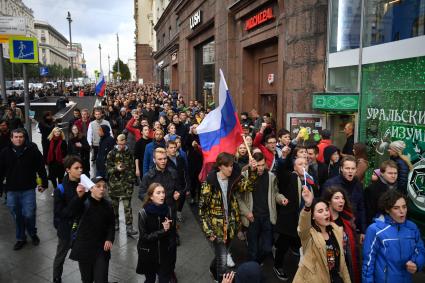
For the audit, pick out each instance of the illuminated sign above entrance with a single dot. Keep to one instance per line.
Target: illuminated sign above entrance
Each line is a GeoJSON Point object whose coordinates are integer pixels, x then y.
{"type": "Point", "coordinates": [195, 19]}
{"type": "Point", "coordinates": [261, 17]}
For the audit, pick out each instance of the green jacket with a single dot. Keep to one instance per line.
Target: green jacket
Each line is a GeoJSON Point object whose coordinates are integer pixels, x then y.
{"type": "Point", "coordinates": [120, 180]}
{"type": "Point", "coordinates": [211, 208]}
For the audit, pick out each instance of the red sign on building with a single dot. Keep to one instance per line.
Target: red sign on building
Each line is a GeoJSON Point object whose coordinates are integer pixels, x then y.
{"type": "Point", "coordinates": [261, 17]}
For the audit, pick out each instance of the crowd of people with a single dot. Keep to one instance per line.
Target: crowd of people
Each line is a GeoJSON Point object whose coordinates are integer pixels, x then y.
{"type": "Point", "coordinates": [278, 192]}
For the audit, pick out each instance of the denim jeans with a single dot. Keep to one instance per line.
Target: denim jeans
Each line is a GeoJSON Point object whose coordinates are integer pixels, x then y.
{"type": "Point", "coordinates": [260, 238]}
{"type": "Point", "coordinates": [22, 205]}
{"type": "Point", "coordinates": [218, 265]}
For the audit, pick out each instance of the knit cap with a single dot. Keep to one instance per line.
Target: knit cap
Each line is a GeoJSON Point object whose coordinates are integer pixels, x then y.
{"type": "Point", "coordinates": [398, 146]}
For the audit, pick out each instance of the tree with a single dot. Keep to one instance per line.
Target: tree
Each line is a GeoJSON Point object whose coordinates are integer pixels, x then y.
{"type": "Point", "coordinates": [124, 70]}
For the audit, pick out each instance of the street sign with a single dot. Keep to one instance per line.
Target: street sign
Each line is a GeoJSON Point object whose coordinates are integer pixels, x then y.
{"type": "Point", "coordinates": [23, 49]}
{"type": "Point", "coordinates": [336, 101]}
{"type": "Point", "coordinates": [72, 53]}
{"type": "Point", "coordinates": [44, 71]}
{"type": "Point", "coordinates": [12, 25]}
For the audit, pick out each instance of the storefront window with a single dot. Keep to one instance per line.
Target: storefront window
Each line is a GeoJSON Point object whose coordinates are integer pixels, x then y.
{"type": "Point", "coordinates": [392, 20]}
{"type": "Point", "coordinates": [345, 25]}
{"type": "Point", "coordinates": [343, 79]}
{"type": "Point", "coordinates": [205, 71]}
{"type": "Point", "coordinates": [165, 78]}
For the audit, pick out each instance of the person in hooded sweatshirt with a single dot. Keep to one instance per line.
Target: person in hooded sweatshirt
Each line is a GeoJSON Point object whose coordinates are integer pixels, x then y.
{"type": "Point", "coordinates": [106, 144]}
{"type": "Point", "coordinates": [330, 168]}
{"type": "Point", "coordinates": [387, 180]}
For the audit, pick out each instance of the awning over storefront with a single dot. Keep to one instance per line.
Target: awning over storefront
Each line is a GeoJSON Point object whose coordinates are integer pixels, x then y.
{"type": "Point", "coordinates": [336, 102]}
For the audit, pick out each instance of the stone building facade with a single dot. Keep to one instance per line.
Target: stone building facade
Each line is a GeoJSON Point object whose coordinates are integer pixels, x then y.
{"type": "Point", "coordinates": [272, 52]}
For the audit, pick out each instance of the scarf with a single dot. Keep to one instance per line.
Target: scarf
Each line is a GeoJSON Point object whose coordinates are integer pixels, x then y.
{"type": "Point", "coordinates": [390, 186]}
{"type": "Point", "coordinates": [160, 210]}
{"type": "Point", "coordinates": [347, 218]}
{"type": "Point", "coordinates": [55, 154]}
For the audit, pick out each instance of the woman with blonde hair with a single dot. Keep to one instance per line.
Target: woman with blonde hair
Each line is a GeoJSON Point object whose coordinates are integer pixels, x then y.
{"type": "Point", "coordinates": [55, 155]}
{"type": "Point", "coordinates": [157, 246]}
{"type": "Point", "coordinates": [403, 163]}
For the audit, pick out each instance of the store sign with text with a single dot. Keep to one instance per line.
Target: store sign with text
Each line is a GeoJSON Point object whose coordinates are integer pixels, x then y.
{"type": "Point", "coordinates": [195, 20]}
{"type": "Point", "coordinates": [261, 17]}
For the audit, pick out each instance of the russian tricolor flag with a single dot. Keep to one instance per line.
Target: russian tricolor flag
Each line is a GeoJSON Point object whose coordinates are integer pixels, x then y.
{"type": "Point", "coordinates": [220, 131]}
{"type": "Point", "coordinates": [101, 86]}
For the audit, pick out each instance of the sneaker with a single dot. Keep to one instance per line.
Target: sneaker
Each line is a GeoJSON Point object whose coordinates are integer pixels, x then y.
{"type": "Point", "coordinates": [180, 216]}
{"type": "Point", "coordinates": [19, 245]}
{"type": "Point", "coordinates": [57, 280]}
{"type": "Point", "coordinates": [130, 231]}
{"type": "Point", "coordinates": [230, 262]}
{"type": "Point", "coordinates": [35, 240]}
{"type": "Point", "coordinates": [280, 273]}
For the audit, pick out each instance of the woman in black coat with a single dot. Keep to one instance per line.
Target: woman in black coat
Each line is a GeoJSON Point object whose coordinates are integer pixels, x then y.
{"type": "Point", "coordinates": [157, 237]}
{"type": "Point", "coordinates": [78, 145]}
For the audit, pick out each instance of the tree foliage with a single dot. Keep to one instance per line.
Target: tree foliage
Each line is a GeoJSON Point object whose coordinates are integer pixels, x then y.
{"type": "Point", "coordinates": [124, 70]}
{"type": "Point", "coordinates": [56, 72]}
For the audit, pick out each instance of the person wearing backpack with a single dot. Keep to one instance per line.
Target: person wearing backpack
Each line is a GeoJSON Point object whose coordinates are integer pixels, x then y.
{"type": "Point", "coordinates": [95, 233]}
{"type": "Point", "coordinates": [63, 219]}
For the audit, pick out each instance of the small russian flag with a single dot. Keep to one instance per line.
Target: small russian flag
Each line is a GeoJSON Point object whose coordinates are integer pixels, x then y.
{"type": "Point", "coordinates": [101, 86]}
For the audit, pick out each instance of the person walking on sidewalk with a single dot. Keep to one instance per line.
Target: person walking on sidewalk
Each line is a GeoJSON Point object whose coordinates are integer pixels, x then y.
{"type": "Point", "coordinates": [93, 137]}
{"type": "Point", "coordinates": [219, 211]}
{"type": "Point", "coordinates": [95, 233]}
{"type": "Point", "coordinates": [121, 177]}
{"type": "Point", "coordinates": [19, 164]}
{"type": "Point", "coordinates": [157, 245]}
{"type": "Point", "coordinates": [258, 209]}
{"type": "Point", "coordinates": [63, 215]}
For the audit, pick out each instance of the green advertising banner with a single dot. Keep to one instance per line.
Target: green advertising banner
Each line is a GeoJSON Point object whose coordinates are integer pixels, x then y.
{"type": "Point", "coordinates": [392, 108]}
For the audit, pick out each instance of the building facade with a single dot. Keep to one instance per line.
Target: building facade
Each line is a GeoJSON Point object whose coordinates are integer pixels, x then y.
{"type": "Point", "coordinates": [17, 8]}
{"type": "Point", "coordinates": [272, 53]}
{"type": "Point", "coordinates": [79, 61]}
{"type": "Point", "coordinates": [146, 14]}
{"type": "Point", "coordinates": [375, 77]}
{"type": "Point", "coordinates": [52, 45]}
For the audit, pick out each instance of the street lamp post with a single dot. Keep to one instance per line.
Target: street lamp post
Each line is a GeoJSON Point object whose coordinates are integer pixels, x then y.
{"type": "Point", "coordinates": [71, 55]}
{"type": "Point", "coordinates": [118, 62]}
{"type": "Point", "coordinates": [109, 69]}
{"type": "Point", "coordinates": [100, 57]}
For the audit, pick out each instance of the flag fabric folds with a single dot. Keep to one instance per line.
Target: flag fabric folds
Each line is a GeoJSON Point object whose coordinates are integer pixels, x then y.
{"type": "Point", "coordinates": [101, 86]}
{"type": "Point", "coordinates": [220, 131]}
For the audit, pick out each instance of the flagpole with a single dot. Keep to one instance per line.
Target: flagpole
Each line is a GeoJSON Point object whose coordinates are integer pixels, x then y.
{"type": "Point", "coordinates": [247, 147]}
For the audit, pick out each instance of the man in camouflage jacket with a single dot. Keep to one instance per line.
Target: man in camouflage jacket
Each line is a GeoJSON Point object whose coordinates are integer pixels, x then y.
{"type": "Point", "coordinates": [121, 172]}
{"type": "Point", "coordinates": [219, 210]}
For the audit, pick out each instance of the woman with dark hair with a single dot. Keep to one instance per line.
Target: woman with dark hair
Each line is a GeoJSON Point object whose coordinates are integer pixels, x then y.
{"type": "Point", "coordinates": [342, 215]}
{"type": "Point", "coordinates": [322, 244]}
{"type": "Point", "coordinates": [78, 145]}
{"type": "Point", "coordinates": [55, 155]}
{"type": "Point", "coordinates": [393, 249]}
{"type": "Point", "coordinates": [157, 246]}
{"type": "Point", "coordinates": [360, 154]}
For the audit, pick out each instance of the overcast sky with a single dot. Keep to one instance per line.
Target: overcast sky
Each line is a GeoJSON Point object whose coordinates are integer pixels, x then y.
{"type": "Point", "coordinates": [93, 22]}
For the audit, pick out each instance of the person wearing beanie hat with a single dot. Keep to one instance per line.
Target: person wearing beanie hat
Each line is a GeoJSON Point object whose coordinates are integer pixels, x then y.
{"type": "Point", "coordinates": [403, 163]}
{"type": "Point", "coordinates": [95, 233]}
{"type": "Point", "coordinates": [247, 272]}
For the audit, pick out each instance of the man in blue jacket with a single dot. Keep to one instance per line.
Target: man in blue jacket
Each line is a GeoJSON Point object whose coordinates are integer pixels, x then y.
{"type": "Point", "coordinates": [393, 249]}
{"type": "Point", "coordinates": [158, 141]}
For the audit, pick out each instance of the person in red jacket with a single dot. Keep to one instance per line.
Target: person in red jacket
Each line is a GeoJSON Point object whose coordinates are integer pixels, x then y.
{"type": "Point", "coordinates": [133, 126]}
{"type": "Point", "coordinates": [324, 143]}
{"type": "Point", "coordinates": [269, 149]}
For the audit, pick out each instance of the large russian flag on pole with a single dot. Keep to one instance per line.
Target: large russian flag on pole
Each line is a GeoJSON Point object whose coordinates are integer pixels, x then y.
{"type": "Point", "coordinates": [101, 86]}
{"type": "Point", "coordinates": [220, 131]}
